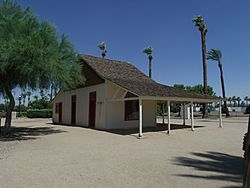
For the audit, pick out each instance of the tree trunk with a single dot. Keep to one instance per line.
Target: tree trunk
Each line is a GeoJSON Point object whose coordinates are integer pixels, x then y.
{"type": "Point", "coordinates": [223, 90]}
{"type": "Point", "coordinates": [51, 92]}
{"type": "Point", "coordinates": [9, 110]}
{"type": "Point", "coordinates": [204, 52]}
{"type": "Point", "coordinates": [150, 67]}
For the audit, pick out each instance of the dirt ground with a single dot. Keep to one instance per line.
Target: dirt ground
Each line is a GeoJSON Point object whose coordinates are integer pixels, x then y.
{"type": "Point", "coordinates": [44, 155]}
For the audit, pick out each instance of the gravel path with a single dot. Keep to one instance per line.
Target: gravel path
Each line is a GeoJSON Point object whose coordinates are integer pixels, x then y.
{"type": "Point", "coordinates": [53, 156]}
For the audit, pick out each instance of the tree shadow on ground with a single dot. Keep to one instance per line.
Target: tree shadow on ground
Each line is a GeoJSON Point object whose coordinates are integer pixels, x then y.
{"type": "Point", "coordinates": [28, 133]}
{"type": "Point", "coordinates": [227, 167]}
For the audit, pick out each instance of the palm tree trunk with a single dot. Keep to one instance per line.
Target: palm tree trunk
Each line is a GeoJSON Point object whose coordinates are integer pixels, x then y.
{"type": "Point", "coordinates": [203, 43]}
{"type": "Point", "coordinates": [150, 67]}
{"type": "Point", "coordinates": [9, 110]}
{"type": "Point", "coordinates": [223, 90]}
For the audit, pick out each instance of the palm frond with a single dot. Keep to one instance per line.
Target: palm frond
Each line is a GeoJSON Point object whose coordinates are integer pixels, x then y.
{"type": "Point", "coordinates": [102, 46]}
{"type": "Point", "coordinates": [198, 21]}
{"type": "Point", "coordinates": [148, 51]}
{"type": "Point", "coordinates": [214, 55]}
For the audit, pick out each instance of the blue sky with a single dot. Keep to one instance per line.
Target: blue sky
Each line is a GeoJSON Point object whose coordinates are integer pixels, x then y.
{"type": "Point", "coordinates": [166, 25]}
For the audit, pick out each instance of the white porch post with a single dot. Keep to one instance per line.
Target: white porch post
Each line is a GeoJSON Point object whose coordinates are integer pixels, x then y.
{"type": "Point", "coordinates": [192, 116]}
{"type": "Point", "coordinates": [169, 117]}
{"type": "Point", "coordinates": [163, 110]}
{"type": "Point", "coordinates": [184, 113]}
{"type": "Point", "coordinates": [220, 115]}
{"type": "Point", "coordinates": [140, 118]}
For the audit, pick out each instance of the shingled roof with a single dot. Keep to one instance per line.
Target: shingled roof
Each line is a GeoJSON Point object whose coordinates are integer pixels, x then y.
{"type": "Point", "coordinates": [129, 77]}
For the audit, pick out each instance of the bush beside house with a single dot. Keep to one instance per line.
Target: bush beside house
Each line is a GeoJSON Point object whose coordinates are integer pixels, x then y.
{"type": "Point", "coordinates": [39, 113]}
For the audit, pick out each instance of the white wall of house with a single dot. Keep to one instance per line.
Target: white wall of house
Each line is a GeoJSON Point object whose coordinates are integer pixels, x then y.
{"type": "Point", "coordinates": [109, 114]}
{"type": "Point", "coordinates": [82, 106]}
{"type": "Point", "coordinates": [115, 110]}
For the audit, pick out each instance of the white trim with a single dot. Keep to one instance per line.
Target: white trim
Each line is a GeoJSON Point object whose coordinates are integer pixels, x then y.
{"type": "Point", "coordinates": [140, 118]}
{"type": "Point", "coordinates": [184, 113]}
{"type": "Point", "coordinates": [179, 99]}
{"type": "Point", "coordinates": [123, 99]}
{"type": "Point", "coordinates": [124, 94]}
{"type": "Point", "coordinates": [169, 117]}
{"type": "Point", "coordinates": [192, 116]}
{"type": "Point", "coordinates": [116, 93]}
{"type": "Point", "coordinates": [220, 115]}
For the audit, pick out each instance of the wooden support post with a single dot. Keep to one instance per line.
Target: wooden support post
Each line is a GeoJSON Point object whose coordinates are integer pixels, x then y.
{"type": "Point", "coordinates": [192, 116]}
{"type": "Point", "coordinates": [140, 118]}
{"type": "Point", "coordinates": [169, 117]}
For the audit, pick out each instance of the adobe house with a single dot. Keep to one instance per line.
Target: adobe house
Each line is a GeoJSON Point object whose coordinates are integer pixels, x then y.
{"type": "Point", "coordinates": [116, 95]}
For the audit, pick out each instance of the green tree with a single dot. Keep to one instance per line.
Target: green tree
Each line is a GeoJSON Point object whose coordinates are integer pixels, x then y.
{"type": "Point", "coordinates": [23, 95]}
{"type": "Point", "coordinates": [148, 51]}
{"type": "Point", "coordinates": [215, 55]}
{"type": "Point", "coordinates": [199, 22]}
{"type": "Point", "coordinates": [32, 52]}
{"type": "Point", "coordinates": [180, 86]}
{"type": "Point", "coordinates": [102, 46]}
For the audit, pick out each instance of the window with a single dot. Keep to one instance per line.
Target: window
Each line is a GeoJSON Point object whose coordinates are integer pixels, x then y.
{"type": "Point", "coordinates": [131, 110]}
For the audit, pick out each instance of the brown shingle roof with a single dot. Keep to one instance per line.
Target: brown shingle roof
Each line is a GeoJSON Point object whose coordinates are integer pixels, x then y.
{"type": "Point", "coordinates": [132, 79]}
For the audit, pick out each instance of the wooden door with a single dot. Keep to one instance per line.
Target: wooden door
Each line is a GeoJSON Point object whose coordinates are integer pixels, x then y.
{"type": "Point", "coordinates": [92, 109]}
{"type": "Point", "coordinates": [60, 112]}
{"type": "Point", "coordinates": [73, 109]}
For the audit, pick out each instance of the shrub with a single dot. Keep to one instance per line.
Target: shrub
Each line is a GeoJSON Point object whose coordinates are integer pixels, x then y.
{"type": "Point", "coordinates": [247, 110]}
{"type": "Point", "coordinates": [39, 113]}
{"type": "Point", "coordinates": [22, 114]}
{"type": "Point", "coordinates": [22, 108]}
{"type": "Point", "coordinates": [40, 104]}
{"type": "Point", "coordinates": [2, 114]}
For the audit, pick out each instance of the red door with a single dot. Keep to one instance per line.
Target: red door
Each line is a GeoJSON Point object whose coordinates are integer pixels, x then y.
{"type": "Point", "coordinates": [92, 109]}
{"type": "Point", "coordinates": [60, 112]}
{"type": "Point", "coordinates": [73, 109]}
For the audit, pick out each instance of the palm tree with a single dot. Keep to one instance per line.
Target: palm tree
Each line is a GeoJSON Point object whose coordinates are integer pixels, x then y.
{"type": "Point", "coordinates": [199, 22]}
{"type": "Point", "coordinates": [23, 95]}
{"type": "Point", "coordinates": [230, 100]}
{"type": "Point", "coordinates": [28, 94]}
{"type": "Point", "coordinates": [149, 52]}
{"type": "Point", "coordinates": [246, 99]}
{"type": "Point", "coordinates": [238, 99]}
{"type": "Point", "coordinates": [215, 55]}
{"type": "Point", "coordinates": [234, 100]}
{"type": "Point", "coordinates": [103, 49]}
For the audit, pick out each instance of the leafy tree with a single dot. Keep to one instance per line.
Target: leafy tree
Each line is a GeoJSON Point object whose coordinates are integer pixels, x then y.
{"type": "Point", "coordinates": [23, 95]}
{"type": "Point", "coordinates": [215, 55]}
{"type": "Point", "coordinates": [199, 22]}
{"type": "Point", "coordinates": [148, 51]}
{"type": "Point", "coordinates": [40, 104]}
{"type": "Point", "coordinates": [180, 86]}
{"type": "Point", "coordinates": [32, 52]}
{"type": "Point", "coordinates": [103, 48]}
